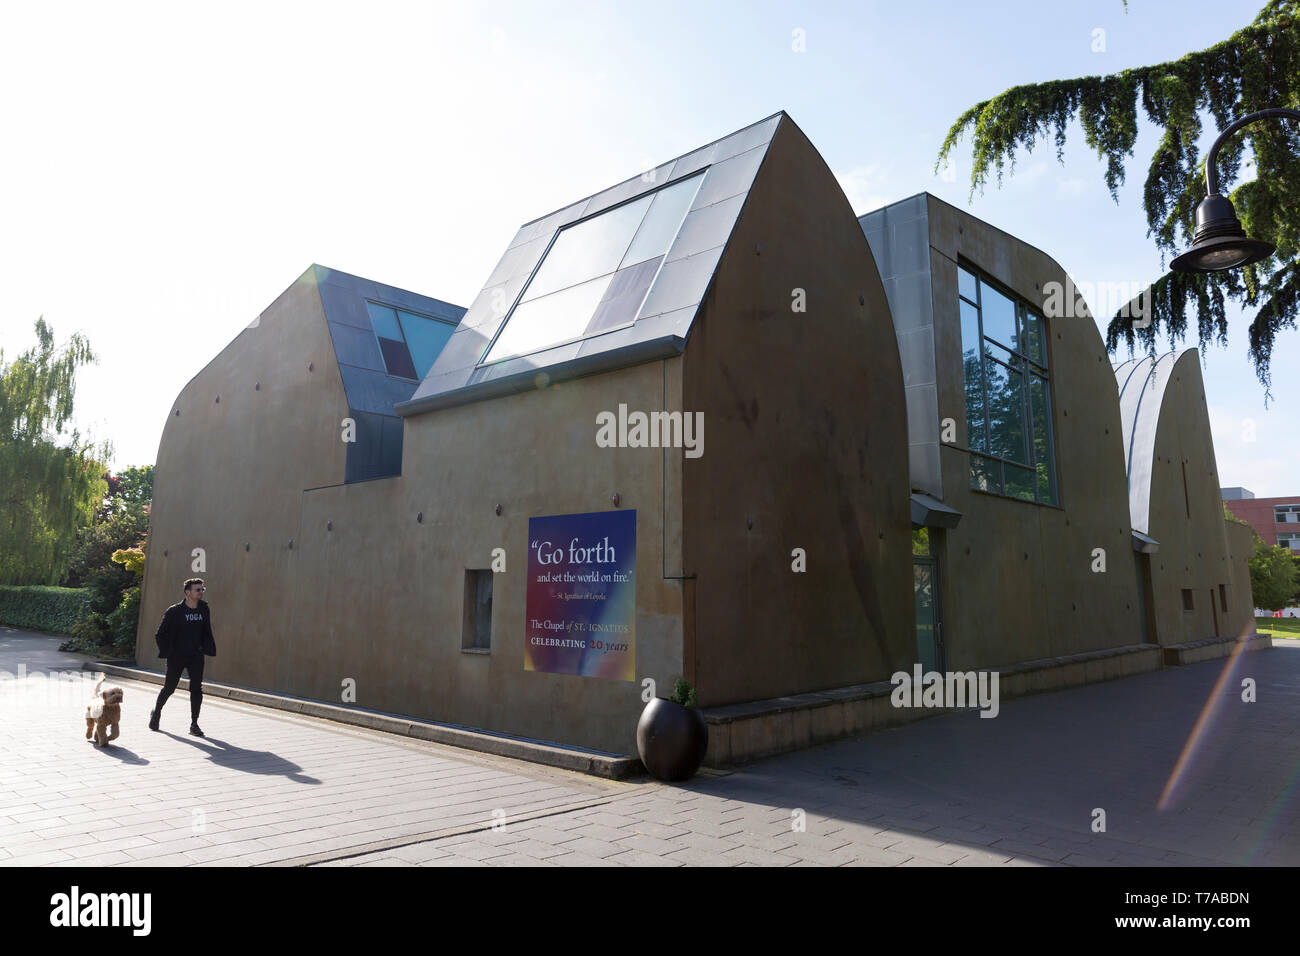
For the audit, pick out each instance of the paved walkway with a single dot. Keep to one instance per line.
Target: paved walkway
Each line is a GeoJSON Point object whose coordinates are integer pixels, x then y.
{"type": "Point", "coordinates": [267, 787]}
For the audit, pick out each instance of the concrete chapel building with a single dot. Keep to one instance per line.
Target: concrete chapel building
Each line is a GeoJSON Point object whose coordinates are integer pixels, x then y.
{"type": "Point", "coordinates": [687, 428]}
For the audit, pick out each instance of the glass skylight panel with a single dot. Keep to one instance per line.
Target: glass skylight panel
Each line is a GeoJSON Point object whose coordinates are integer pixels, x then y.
{"type": "Point", "coordinates": [596, 273]}
{"type": "Point", "coordinates": [590, 249]}
{"type": "Point", "coordinates": [624, 296]}
{"type": "Point", "coordinates": [661, 222]}
{"type": "Point", "coordinates": [558, 317]}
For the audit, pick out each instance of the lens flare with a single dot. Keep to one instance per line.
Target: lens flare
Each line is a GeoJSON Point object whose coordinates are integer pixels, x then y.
{"type": "Point", "coordinates": [1203, 721]}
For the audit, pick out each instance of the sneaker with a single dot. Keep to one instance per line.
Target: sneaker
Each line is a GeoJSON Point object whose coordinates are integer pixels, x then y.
{"type": "Point", "coordinates": [194, 729]}
{"type": "Point", "coordinates": [153, 720]}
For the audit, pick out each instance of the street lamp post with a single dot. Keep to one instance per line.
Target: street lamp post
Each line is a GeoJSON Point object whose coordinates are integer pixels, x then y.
{"type": "Point", "coordinates": [1220, 243]}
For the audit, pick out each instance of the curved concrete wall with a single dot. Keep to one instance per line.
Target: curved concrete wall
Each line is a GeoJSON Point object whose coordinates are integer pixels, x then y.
{"type": "Point", "coordinates": [806, 448]}
{"type": "Point", "coordinates": [1186, 513]}
{"type": "Point", "coordinates": [231, 472]}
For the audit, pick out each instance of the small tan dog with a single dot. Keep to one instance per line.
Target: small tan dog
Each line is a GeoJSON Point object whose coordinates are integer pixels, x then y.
{"type": "Point", "coordinates": [104, 714]}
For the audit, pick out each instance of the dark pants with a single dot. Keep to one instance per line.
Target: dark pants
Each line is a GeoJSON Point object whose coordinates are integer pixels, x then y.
{"type": "Point", "coordinates": [194, 666]}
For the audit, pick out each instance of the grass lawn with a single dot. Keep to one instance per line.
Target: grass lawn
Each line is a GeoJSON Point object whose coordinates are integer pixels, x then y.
{"type": "Point", "coordinates": [1279, 626]}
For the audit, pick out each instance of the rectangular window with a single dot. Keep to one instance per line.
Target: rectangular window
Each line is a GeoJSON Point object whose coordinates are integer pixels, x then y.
{"type": "Point", "coordinates": [1289, 539]}
{"type": "Point", "coordinates": [1189, 603]}
{"type": "Point", "coordinates": [596, 273]}
{"type": "Point", "coordinates": [1223, 598]}
{"type": "Point", "coordinates": [1286, 514]}
{"type": "Point", "coordinates": [476, 630]}
{"type": "Point", "coordinates": [1008, 392]}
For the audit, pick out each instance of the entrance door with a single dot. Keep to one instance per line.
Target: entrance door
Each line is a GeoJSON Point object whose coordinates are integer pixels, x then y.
{"type": "Point", "coordinates": [1146, 599]}
{"type": "Point", "coordinates": [929, 626]}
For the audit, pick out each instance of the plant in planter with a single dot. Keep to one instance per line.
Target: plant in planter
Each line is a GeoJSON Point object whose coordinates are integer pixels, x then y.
{"type": "Point", "coordinates": [671, 735]}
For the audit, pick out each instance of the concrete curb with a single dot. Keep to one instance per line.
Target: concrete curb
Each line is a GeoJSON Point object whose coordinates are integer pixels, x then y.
{"type": "Point", "coordinates": [609, 766]}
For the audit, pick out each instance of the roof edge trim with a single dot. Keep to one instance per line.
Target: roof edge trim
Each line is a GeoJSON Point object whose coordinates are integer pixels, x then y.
{"type": "Point", "coordinates": [666, 346]}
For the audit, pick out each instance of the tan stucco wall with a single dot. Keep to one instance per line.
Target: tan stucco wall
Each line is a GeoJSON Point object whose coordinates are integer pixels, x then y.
{"type": "Point", "coordinates": [1194, 550]}
{"type": "Point", "coordinates": [1016, 577]}
{"type": "Point", "coordinates": [807, 438]}
{"type": "Point", "coordinates": [379, 598]}
{"type": "Point", "coordinates": [1241, 606]}
{"type": "Point", "coordinates": [232, 472]}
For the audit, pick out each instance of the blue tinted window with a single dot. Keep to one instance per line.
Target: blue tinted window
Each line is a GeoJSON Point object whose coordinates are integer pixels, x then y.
{"type": "Point", "coordinates": [384, 321]}
{"type": "Point", "coordinates": [425, 339]}
{"type": "Point", "coordinates": [397, 358]}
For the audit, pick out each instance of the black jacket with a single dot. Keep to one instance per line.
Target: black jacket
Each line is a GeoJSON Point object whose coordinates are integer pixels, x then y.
{"type": "Point", "coordinates": [174, 637]}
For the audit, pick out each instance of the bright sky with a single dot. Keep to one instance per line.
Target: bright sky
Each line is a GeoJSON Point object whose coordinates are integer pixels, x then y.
{"type": "Point", "coordinates": [169, 169]}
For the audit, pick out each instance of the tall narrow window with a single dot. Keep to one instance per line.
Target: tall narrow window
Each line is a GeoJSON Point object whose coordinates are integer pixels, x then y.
{"type": "Point", "coordinates": [1008, 392]}
{"type": "Point", "coordinates": [476, 632]}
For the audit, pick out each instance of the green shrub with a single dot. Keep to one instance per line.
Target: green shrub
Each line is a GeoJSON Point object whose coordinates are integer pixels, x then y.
{"type": "Point", "coordinates": [122, 623]}
{"type": "Point", "coordinates": [89, 635]}
{"type": "Point", "coordinates": [42, 608]}
{"type": "Point", "coordinates": [684, 693]}
{"type": "Point", "coordinates": [107, 586]}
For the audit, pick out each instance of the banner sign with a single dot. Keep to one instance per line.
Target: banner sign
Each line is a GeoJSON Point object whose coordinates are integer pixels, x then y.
{"type": "Point", "coordinates": [581, 607]}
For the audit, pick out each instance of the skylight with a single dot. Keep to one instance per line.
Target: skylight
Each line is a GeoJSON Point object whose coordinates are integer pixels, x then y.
{"type": "Point", "coordinates": [596, 273]}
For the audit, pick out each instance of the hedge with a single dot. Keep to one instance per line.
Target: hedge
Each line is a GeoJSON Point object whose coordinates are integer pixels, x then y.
{"type": "Point", "coordinates": [42, 608]}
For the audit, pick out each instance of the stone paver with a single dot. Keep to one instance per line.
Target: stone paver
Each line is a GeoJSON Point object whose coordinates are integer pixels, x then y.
{"type": "Point", "coordinates": [262, 785]}
{"type": "Point", "coordinates": [956, 790]}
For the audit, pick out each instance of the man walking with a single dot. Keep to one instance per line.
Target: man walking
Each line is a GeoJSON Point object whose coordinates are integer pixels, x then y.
{"type": "Point", "coordinates": [184, 637]}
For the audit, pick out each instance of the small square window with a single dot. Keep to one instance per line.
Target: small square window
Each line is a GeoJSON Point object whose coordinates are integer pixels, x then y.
{"type": "Point", "coordinates": [1188, 600]}
{"type": "Point", "coordinates": [476, 631]}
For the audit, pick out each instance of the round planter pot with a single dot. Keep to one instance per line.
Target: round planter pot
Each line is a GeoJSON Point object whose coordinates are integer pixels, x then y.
{"type": "Point", "coordinates": [671, 740]}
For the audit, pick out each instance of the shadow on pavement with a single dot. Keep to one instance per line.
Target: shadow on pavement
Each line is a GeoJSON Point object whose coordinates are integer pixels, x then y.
{"type": "Point", "coordinates": [123, 754]}
{"type": "Point", "coordinates": [249, 761]}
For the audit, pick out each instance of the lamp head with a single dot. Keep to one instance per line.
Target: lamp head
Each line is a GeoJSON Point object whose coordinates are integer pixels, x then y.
{"type": "Point", "coordinates": [1220, 243]}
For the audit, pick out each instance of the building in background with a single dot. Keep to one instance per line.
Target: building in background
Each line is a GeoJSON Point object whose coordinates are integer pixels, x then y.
{"type": "Point", "coordinates": [1276, 520]}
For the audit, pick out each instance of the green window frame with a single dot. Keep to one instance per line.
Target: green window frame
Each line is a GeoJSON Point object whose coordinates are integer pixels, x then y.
{"type": "Point", "coordinates": [1008, 389]}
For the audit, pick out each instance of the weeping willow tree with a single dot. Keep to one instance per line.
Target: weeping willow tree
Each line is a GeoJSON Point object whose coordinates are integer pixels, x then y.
{"type": "Point", "coordinates": [48, 488]}
{"type": "Point", "coordinates": [1255, 68]}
